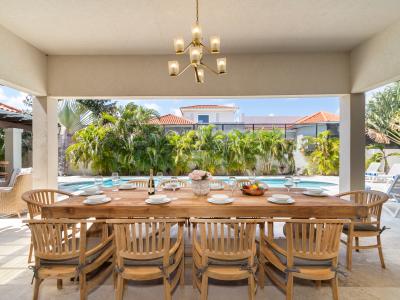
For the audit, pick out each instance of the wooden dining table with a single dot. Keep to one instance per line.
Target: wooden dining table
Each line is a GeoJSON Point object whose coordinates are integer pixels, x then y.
{"type": "Point", "coordinates": [131, 203]}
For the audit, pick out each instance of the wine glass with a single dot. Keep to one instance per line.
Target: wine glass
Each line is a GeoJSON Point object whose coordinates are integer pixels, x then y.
{"type": "Point", "coordinates": [232, 183]}
{"type": "Point", "coordinates": [98, 182]}
{"type": "Point", "coordinates": [115, 181]}
{"type": "Point", "coordinates": [288, 183]}
{"type": "Point", "coordinates": [159, 177]}
{"type": "Point", "coordinates": [174, 184]}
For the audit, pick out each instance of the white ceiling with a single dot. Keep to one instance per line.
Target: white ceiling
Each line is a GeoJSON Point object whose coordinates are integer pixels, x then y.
{"type": "Point", "coordinates": [149, 26]}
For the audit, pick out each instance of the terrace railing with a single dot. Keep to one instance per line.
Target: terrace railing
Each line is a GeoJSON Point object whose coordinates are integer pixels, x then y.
{"type": "Point", "coordinates": [290, 130]}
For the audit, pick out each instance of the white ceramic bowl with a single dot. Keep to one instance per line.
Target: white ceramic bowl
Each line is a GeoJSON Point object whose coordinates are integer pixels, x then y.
{"type": "Point", "coordinates": [91, 190]}
{"type": "Point", "coordinates": [220, 197]}
{"type": "Point", "coordinates": [96, 197]}
{"type": "Point", "coordinates": [281, 197]}
{"type": "Point", "coordinates": [315, 191]}
{"type": "Point", "coordinates": [157, 197]}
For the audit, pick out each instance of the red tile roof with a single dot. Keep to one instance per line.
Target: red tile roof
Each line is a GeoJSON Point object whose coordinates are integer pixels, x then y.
{"type": "Point", "coordinates": [319, 117]}
{"type": "Point", "coordinates": [212, 106]}
{"type": "Point", "coordinates": [171, 119]}
{"type": "Point", "coordinates": [9, 108]}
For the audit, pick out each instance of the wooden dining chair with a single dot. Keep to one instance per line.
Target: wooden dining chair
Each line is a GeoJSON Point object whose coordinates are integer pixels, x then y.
{"type": "Point", "coordinates": [309, 251]}
{"type": "Point", "coordinates": [219, 183]}
{"type": "Point", "coordinates": [224, 249]}
{"type": "Point", "coordinates": [146, 251]}
{"type": "Point", "coordinates": [365, 227]}
{"type": "Point", "coordinates": [241, 182]}
{"type": "Point", "coordinates": [63, 250]}
{"type": "Point", "coordinates": [180, 182]}
{"type": "Point", "coordinates": [139, 183]}
{"type": "Point", "coordinates": [35, 200]}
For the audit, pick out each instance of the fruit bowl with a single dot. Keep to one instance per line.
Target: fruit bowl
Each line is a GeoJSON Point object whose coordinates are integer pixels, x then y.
{"type": "Point", "coordinates": [253, 190]}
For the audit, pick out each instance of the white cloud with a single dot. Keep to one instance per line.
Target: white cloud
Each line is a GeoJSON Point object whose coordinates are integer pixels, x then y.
{"type": "Point", "coordinates": [12, 97]}
{"type": "Point", "coordinates": [230, 104]}
{"type": "Point", "coordinates": [271, 115]}
{"type": "Point", "coordinates": [176, 111]}
{"type": "Point", "coordinates": [152, 106]}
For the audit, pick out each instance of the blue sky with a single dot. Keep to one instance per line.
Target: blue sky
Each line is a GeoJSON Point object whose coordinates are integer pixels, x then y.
{"type": "Point", "coordinates": [250, 107]}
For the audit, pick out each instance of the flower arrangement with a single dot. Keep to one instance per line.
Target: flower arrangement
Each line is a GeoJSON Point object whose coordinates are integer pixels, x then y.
{"type": "Point", "coordinates": [197, 175]}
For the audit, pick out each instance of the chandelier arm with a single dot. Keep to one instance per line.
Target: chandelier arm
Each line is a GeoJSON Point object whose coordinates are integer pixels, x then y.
{"type": "Point", "coordinates": [209, 68]}
{"type": "Point", "coordinates": [184, 69]}
{"type": "Point", "coordinates": [197, 75]}
{"type": "Point", "coordinates": [187, 48]}
{"type": "Point", "coordinates": [208, 49]}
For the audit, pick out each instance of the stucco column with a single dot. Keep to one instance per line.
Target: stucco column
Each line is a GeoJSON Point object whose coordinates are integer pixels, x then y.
{"type": "Point", "coordinates": [12, 146]}
{"type": "Point", "coordinates": [45, 145]}
{"type": "Point", "coordinates": [352, 142]}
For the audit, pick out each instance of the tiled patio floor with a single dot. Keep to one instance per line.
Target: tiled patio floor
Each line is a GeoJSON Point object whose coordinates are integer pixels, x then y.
{"type": "Point", "coordinates": [366, 281]}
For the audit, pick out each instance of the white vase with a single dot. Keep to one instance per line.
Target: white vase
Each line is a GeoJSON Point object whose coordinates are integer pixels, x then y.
{"type": "Point", "coordinates": [200, 187]}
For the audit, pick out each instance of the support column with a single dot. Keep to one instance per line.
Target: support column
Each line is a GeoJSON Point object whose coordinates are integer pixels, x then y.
{"type": "Point", "coordinates": [45, 145]}
{"type": "Point", "coordinates": [352, 142]}
{"type": "Point", "coordinates": [13, 148]}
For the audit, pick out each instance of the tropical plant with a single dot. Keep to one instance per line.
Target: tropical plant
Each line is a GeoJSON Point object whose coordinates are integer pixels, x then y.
{"type": "Point", "coordinates": [382, 115]}
{"type": "Point", "coordinates": [98, 106]}
{"type": "Point", "coordinates": [323, 153]}
{"type": "Point", "coordinates": [380, 156]}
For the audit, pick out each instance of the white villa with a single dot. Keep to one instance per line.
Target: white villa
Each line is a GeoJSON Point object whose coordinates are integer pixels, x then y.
{"type": "Point", "coordinates": [211, 114]}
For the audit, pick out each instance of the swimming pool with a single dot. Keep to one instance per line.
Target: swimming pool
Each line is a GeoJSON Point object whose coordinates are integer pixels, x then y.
{"type": "Point", "coordinates": [271, 182]}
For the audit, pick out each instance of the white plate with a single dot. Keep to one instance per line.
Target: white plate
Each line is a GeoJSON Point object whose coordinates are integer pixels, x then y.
{"type": "Point", "coordinates": [218, 201]}
{"type": "Point", "coordinates": [91, 194]}
{"type": "Point", "coordinates": [127, 188]}
{"type": "Point", "coordinates": [323, 194]}
{"type": "Point", "coordinates": [273, 200]}
{"type": "Point", "coordinates": [163, 201]}
{"type": "Point", "coordinates": [95, 202]}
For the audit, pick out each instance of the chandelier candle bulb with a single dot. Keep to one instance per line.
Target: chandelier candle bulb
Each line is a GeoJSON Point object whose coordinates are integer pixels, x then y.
{"type": "Point", "coordinates": [173, 67]}
{"type": "Point", "coordinates": [215, 44]}
{"type": "Point", "coordinates": [195, 55]}
{"type": "Point", "coordinates": [179, 45]}
{"type": "Point", "coordinates": [221, 65]}
{"type": "Point", "coordinates": [200, 74]}
{"type": "Point", "coordinates": [196, 32]}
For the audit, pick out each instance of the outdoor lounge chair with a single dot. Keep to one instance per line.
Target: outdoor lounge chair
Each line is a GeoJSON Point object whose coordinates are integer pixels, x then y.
{"type": "Point", "coordinates": [393, 172]}
{"type": "Point", "coordinates": [10, 197]}
{"type": "Point", "coordinates": [372, 171]}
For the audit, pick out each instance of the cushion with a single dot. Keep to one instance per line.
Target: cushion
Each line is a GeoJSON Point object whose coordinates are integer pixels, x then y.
{"type": "Point", "coordinates": [361, 227]}
{"type": "Point", "coordinates": [298, 261]}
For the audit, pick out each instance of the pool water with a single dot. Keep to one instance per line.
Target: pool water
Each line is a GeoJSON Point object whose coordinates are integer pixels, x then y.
{"type": "Point", "coordinates": [271, 182]}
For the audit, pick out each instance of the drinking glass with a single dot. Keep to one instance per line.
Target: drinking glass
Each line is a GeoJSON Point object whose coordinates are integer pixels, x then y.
{"type": "Point", "coordinates": [115, 181]}
{"type": "Point", "coordinates": [232, 183]}
{"type": "Point", "coordinates": [288, 183]}
{"type": "Point", "coordinates": [98, 182]}
{"type": "Point", "coordinates": [174, 184]}
{"type": "Point", "coordinates": [159, 177]}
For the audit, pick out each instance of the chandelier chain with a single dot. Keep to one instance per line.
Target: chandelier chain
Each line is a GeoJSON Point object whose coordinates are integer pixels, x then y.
{"type": "Point", "coordinates": [197, 11]}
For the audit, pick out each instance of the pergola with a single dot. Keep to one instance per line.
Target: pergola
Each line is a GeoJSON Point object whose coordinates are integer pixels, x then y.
{"type": "Point", "coordinates": [85, 49]}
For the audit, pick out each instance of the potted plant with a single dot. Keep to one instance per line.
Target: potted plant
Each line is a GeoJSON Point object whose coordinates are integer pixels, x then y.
{"type": "Point", "coordinates": [200, 182]}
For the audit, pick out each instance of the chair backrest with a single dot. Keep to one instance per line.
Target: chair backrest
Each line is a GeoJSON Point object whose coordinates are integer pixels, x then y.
{"type": "Point", "coordinates": [58, 239]}
{"type": "Point", "coordinates": [139, 183]}
{"type": "Point", "coordinates": [225, 239]}
{"type": "Point", "coordinates": [180, 182]}
{"type": "Point", "coordinates": [219, 183]}
{"type": "Point", "coordinates": [394, 170]}
{"type": "Point", "coordinates": [312, 239]}
{"type": "Point", "coordinates": [241, 182]}
{"type": "Point", "coordinates": [373, 199]}
{"type": "Point", "coordinates": [38, 198]}
{"type": "Point", "coordinates": [13, 177]}
{"type": "Point", "coordinates": [144, 239]}
{"type": "Point", "coordinates": [373, 167]}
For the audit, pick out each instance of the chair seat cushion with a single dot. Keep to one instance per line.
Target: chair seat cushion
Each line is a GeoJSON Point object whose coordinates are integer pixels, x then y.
{"type": "Point", "coordinates": [91, 242]}
{"type": "Point", "coordinates": [361, 227]}
{"type": "Point", "coordinates": [300, 262]}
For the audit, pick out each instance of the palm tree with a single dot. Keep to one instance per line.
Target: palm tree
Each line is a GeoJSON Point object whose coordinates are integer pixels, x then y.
{"type": "Point", "coordinates": [72, 116]}
{"type": "Point", "coordinates": [381, 114]}
{"type": "Point", "coordinates": [381, 156]}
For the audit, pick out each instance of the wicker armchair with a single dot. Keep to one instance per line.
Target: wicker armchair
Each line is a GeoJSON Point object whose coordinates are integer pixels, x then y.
{"type": "Point", "coordinates": [10, 197]}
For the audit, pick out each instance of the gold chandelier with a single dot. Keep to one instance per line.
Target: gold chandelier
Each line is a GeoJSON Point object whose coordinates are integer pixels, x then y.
{"type": "Point", "coordinates": [196, 50]}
